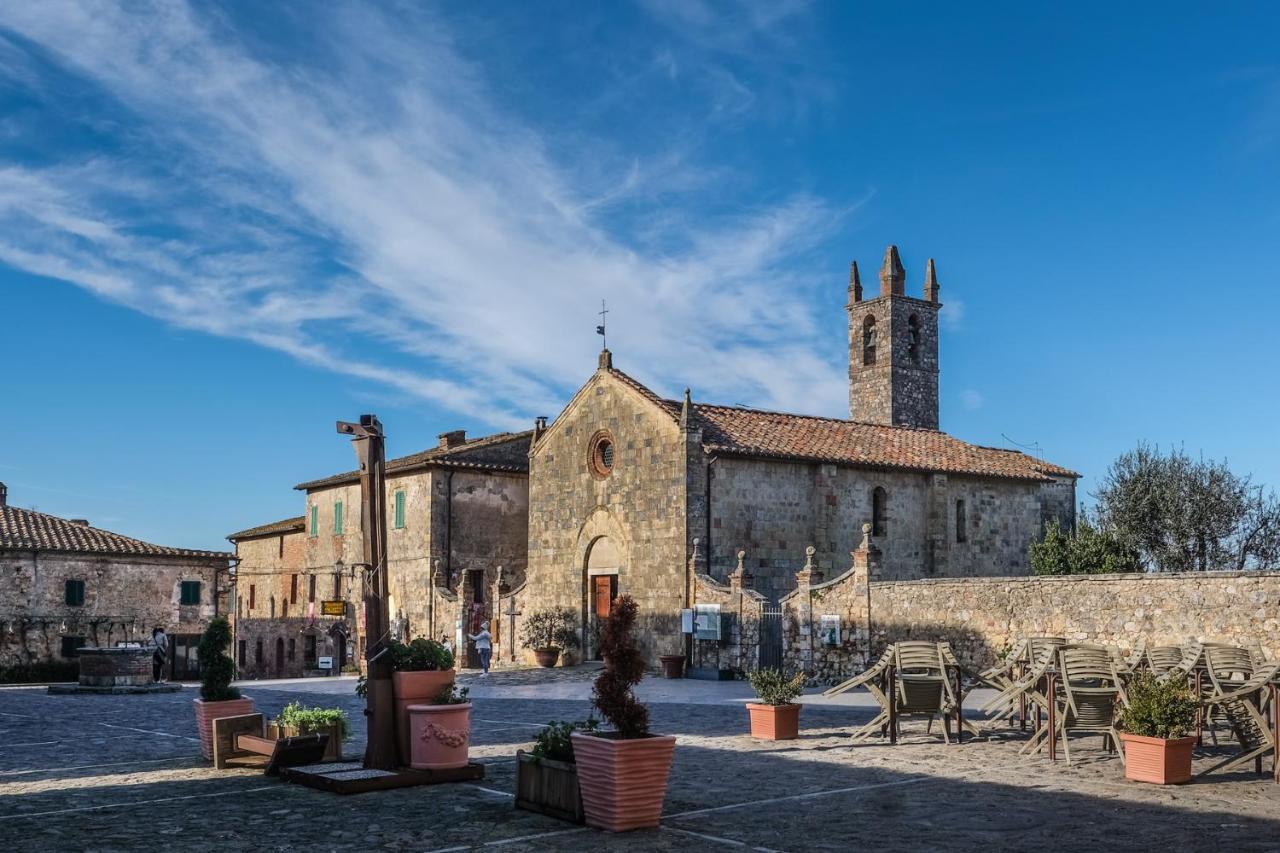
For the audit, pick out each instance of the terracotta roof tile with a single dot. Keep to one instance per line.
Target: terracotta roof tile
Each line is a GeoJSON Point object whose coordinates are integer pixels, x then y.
{"type": "Point", "coordinates": [488, 453]}
{"type": "Point", "coordinates": [738, 431]}
{"type": "Point", "coordinates": [288, 525]}
{"type": "Point", "coordinates": [28, 530]}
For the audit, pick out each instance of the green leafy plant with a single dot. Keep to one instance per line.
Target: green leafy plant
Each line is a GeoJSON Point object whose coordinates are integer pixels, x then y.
{"type": "Point", "coordinates": [555, 741]}
{"type": "Point", "coordinates": [1091, 550]}
{"type": "Point", "coordinates": [216, 667]}
{"type": "Point", "coordinates": [362, 687]}
{"type": "Point", "coordinates": [623, 669]}
{"type": "Point", "coordinates": [40, 672]}
{"type": "Point", "coordinates": [452, 695]}
{"type": "Point", "coordinates": [1161, 709]}
{"type": "Point", "coordinates": [306, 720]}
{"type": "Point", "coordinates": [772, 686]}
{"type": "Point", "coordinates": [421, 655]}
{"type": "Point", "coordinates": [553, 628]}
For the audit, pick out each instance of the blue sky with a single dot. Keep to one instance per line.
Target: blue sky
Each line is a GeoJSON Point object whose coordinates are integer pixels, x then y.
{"type": "Point", "coordinates": [224, 227]}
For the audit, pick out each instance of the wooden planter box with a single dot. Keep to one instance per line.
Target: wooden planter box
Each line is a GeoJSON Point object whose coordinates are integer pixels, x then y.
{"type": "Point", "coordinates": [332, 752]}
{"type": "Point", "coordinates": [548, 787]}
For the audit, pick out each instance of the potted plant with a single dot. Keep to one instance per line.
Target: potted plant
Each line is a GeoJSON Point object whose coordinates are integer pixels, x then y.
{"type": "Point", "coordinates": [672, 666]}
{"type": "Point", "coordinates": [440, 733]}
{"type": "Point", "coordinates": [1154, 730]}
{"type": "Point", "coordinates": [547, 776]}
{"type": "Point", "coordinates": [218, 698]}
{"type": "Point", "coordinates": [775, 716]}
{"type": "Point", "coordinates": [548, 632]}
{"type": "Point", "coordinates": [420, 671]}
{"type": "Point", "coordinates": [622, 773]}
{"type": "Point", "coordinates": [297, 719]}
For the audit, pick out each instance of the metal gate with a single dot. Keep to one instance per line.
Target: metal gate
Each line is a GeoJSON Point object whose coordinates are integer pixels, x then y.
{"type": "Point", "coordinates": [771, 636]}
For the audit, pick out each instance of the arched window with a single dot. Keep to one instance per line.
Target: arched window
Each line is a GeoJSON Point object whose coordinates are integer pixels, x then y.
{"type": "Point", "coordinates": [913, 339]}
{"type": "Point", "coordinates": [961, 522]}
{"type": "Point", "coordinates": [869, 340]}
{"type": "Point", "coordinates": [879, 517]}
{"type": "Point", "coordinates": [273, 607]}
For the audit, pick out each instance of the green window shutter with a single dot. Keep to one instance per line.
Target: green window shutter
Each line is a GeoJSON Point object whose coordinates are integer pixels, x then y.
{"type": "Point", "coordinates": [74, 595]}
{"type": "Point", "coordinates": [399, 509]}
{"type": "Point", "coordinates": [337, 517]}
{"type": "Point", "coordinates": [315, 520]}
{"type": "Point", "coordinates": [190, 592]}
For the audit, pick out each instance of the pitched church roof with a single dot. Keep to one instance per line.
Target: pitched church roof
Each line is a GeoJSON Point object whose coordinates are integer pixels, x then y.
{"type": "Point", "coordinates": [754, 433]}
{"type": "Point", "coordinates": [504, 451]}
{"type": "Point", "coordinates": [288, 525]}
{"type": "Point", "coordinates": [28, 530]}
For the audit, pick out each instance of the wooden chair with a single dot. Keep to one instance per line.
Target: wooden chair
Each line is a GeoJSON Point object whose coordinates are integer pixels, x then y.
{"type": "Point", "coordinates": [1087, 694]}
{"type": "Point", "coordinates": [923, 684]}
{"type": "Point", "coordinates": [1242, 710]}
{"type": "Point", "coordinates": [876, 680]}
{"type": "Point", "coordinates": [242, 742]}
{"type": "Point", "coordinates": [1161, 659]}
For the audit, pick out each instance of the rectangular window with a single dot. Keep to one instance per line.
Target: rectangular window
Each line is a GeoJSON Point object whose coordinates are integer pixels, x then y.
{"type": "Point", "coordinates": [337, 517]}
{"type": "Point", "coordinates": [311, 582]}
{"type": "Point", "coordinates": [962, 535]}
{"type": "Point", "coordinates": [399, 510]}
{"type": "Point", "coordinates": [280, 550]}
{"type": "Point", "coordinates": [315, 520]}
{"type": "Point", "coordinates": [293, 645]}
{"type": "Point", "coordinates": [75, 593]}
{"type": "Point", "coordinates": [253, 596]}
{"type": "Point", "coordinates": [71, 646]}
{"type": "Point", "coordinates": [190, 592]}
{"type": "Point", "coordinates": [242, 648]}
{"type": "Point", "coordinates": [293, 589]}
{"type": "Point", "coordinates": [310, 651]}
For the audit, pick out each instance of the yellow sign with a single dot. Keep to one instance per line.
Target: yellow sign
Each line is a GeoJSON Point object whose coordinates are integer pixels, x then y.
{"type": "Point", "coordinates": [333, 608]}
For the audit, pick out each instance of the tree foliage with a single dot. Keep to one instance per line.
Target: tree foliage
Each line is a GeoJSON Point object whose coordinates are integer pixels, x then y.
{"type": "Point", "coordinates": [1183, 514]}
{"type": "Point", "coordinates": [553, 628]}
{"type": "Point", "coordinates": [216, 667]}
{"type": "Point", "coordinates": [1091, 551]}
{"type": "Point", "coordinates": [623, 669]}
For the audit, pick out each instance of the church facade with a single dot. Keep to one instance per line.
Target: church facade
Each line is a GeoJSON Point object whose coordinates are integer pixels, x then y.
{"type": "Point", "coordinates": [633, 493]}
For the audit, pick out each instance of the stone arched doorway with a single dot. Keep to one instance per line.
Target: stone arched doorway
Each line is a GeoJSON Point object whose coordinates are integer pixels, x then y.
{"type": "Point", "coordinates": [602, 566]}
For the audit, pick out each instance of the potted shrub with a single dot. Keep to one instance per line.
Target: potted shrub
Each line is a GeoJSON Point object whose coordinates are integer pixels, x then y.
{"type": "Point", "coordinates": [775, 716]}
{"type": "Point", "coordinates": [297, 719]}
{"type": "Point", "coordinates": [547, 776]}
{"type": "Point", "coordinates": [218, 698]}
{"type": "Point", "coordinates": [548, 632]}
{"type": "Point", "coordinates": [440, 733]}
{"type": "Point", "coordinates": [421, 670]}
{"type": "Point", "coordinates": [622, 773]}
{"type": "Point", "coordinates": [672, 666]}
{"type": "Point", "coordinates": [1154, 730]}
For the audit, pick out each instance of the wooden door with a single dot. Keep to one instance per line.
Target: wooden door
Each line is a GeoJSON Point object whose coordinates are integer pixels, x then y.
{"type": "Point", "coordinates": [604, 588]}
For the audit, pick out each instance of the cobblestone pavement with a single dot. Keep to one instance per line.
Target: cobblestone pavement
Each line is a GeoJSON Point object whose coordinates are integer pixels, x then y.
{"type": "Point", "coordinates": [124, 773]}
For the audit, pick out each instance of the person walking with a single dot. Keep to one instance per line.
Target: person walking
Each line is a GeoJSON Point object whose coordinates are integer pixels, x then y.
{"type": "Point", "coordinates": [484, 645]}
{"type": "Point", "coordinates": [159, 654]}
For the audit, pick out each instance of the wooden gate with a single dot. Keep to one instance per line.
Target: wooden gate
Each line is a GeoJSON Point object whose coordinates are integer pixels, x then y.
{"type": "Point", "coordinates": [770, 656]}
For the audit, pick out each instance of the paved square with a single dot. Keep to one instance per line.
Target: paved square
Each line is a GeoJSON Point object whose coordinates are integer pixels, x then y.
{"type": "Point", "coordinates": [125, 773]}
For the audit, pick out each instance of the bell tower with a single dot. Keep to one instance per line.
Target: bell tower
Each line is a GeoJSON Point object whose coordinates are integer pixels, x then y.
{"type": "Point", "coordinates": [893, 349]}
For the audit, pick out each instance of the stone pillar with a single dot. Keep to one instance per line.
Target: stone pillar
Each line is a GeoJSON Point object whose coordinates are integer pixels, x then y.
{"type": "Point", "coordinates": [938, 558]}
{"type": "Point", "coordinates": [866, 567]}
{"type": "Point", "coordinates": [805, 579]}
{"type": "Point", "coordinates": [740, 578]}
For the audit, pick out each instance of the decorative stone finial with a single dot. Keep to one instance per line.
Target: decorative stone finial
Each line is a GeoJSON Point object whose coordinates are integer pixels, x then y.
{"type": "Point", "coordinates": [742, 555]}
{"type": "Point", "coordinates": [930, 282]}
{"type": "Point", "coordinates": [606, 360]}
{"type": "Point", "coordinates": [808, 557]}
{"type": "Point", "coordinates": [686, 411]}
{"type": "Point", "coordinates": [855, 284]}
{"type": "Point", "coordinates": [893, 277]}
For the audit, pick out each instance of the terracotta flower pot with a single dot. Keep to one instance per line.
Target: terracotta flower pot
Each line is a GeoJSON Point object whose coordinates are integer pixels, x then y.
{"type": "Point", "coordinates": [440, 736]}
{"type": "Point", "coordinates": [1154, 759]}
{"type": "Point", "coordinates": [672, 666]}
{"type": "Point", "coordinates": [207, 712]}
{"type": "Point", "coordinates": [415, 688]}
{"type": "Point", "coordinates": [774, 722]}
{"type": "Point", "coordinates": [546, 657]}
{"type": "Point", "coordinates": [623, 781]}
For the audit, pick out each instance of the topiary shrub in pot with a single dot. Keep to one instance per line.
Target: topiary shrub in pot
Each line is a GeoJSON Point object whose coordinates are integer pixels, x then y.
{"type": "Point", "coordinates": [623, 773]}
{"type": "Point", "coordinates": [775, 716]}
{"type": "Point", "coordinates": [547, 775]}
{"type": "Point", "coordinates": [218, 698]}
{"type": "Point", "coordinates": [421, 671]}
{"type": "Point", "coordinates": [440, 733]}
{"type": "Point", "coordinates": [1154, 730]}
{"type": "Point", "coordinates": [548, 632]}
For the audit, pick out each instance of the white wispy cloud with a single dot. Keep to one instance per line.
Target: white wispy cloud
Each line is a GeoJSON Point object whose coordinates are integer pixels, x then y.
{"type": "Point", "coordinates": [372, 213]}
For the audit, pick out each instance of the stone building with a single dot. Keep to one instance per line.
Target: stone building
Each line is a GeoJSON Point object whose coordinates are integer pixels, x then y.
{"type": "Point", "coordinates": [65, 584]}
{"type": "Point", "coordinates": [457, 528]}
{"type": "Point", "coordinates": [623, 482]}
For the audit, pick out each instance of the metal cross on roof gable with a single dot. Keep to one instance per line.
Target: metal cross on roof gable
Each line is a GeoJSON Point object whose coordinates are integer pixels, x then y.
{"type": "Point", "coordinates": [604, 312]}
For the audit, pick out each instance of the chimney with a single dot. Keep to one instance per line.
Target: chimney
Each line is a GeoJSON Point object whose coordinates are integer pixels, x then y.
{"type": "Point", "coordinates": [606, 360]}
{"type": "Point", "coordinates": [4, 494]}
{"type": "Point", "coordinates": [893, 277]}
{"type": "Point", "coordinates": [539, 427]}
{"type": "Point", "coordinates": [83, 522]}
{"type": "Point", "coordinates": [453, 438]}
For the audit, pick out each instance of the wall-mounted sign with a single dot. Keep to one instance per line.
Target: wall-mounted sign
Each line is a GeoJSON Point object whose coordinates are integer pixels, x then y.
{"type": "Point", "coordinates": [706, 622]}
{"type": "Point", "coordinates": [686, 621]}
{"type": "Point", "coordinates": [829, 630]}
{"type": "Point", "coordinates": [325, 663]}
{"type": "Point", "coordinates": [333, 608]}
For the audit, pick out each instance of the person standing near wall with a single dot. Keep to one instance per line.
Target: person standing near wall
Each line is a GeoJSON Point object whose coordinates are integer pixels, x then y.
{"type": "Point", "coordinates": [484, 646]}
{"type": "Point", "coordinates": [159, 654]}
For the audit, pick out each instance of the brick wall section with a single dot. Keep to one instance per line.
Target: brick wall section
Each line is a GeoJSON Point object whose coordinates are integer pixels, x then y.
{"type": "Point", "coordinates": [124, 598]}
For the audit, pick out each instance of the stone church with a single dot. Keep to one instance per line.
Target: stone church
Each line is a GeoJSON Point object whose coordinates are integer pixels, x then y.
{"type": "Point", "coordinates": [633, 493]}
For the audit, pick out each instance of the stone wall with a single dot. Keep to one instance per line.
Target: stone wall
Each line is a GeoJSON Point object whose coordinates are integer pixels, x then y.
{"type": "Point", "coordinates": [740, 612]}
{"type": "Point", "coordinates": [124, 598]}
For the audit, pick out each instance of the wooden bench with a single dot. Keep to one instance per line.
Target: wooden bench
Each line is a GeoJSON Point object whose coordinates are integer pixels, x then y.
{"type": "Point", "coordinates": [241, 742]}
